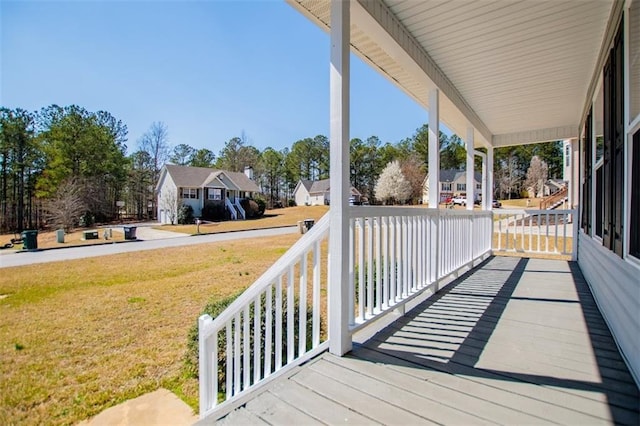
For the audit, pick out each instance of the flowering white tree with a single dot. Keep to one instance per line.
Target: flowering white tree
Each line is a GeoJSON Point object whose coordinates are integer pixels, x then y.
{"type": "Point", "coordinates": [392, 186]}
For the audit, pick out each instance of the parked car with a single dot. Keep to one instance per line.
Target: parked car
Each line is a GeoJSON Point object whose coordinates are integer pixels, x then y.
{"type": "Point", "coordinates": [459, 200]}
{"type": "Point", "coordinates": [496, 204]}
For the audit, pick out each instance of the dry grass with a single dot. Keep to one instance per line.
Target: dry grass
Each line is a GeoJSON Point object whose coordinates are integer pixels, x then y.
{"type": "Point", "coordinates": [48, 239]}
{"type": "Point", "coordinates": [279, 217]}
{"type": "Point", "coordinates": [79, 336]}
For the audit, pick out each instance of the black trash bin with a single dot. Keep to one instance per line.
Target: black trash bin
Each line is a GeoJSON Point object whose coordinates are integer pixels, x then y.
{"type": "Point", "coordinates": [130, 232]}
{"type": "Point", "coordinates": [308, 223]}
{"type": "Point", "coordinates": [30, 240]}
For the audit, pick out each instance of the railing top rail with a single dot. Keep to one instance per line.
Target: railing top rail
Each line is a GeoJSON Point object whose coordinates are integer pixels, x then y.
{"type": "Point", "coordinates": [317, 232]}
{"type": "Point", "coordinates": [373, 211]}
{"type": "Point", "coordinates": [533, 211]}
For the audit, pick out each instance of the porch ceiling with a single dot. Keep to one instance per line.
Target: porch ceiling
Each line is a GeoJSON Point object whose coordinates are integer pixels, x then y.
{"type": "Point", "coordinates": [518, 71]}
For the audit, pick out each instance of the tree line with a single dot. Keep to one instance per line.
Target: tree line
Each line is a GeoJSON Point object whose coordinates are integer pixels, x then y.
{"type": "Point", "coordinates": [67, 166]}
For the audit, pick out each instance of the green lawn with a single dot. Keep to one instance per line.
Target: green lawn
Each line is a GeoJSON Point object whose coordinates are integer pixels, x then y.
{"type": "Point", "coordinates": [79, 336]}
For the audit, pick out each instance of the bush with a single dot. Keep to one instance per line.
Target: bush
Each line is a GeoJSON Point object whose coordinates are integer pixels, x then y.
{"type": "Point", "coordinates": [185, 214]}
{"type": "Point", "coordinates": [291, 203]}
{"type": "Point", "coordinates": [215, 308]}
{"type": "Point", "coordinates": [87, 220]}
{"type": "Point", "coordinates": [262, 206]}
{"type": "Point", "coordinates": [214, 211]}
{"type": "Point", "coordinates": [253, 208]}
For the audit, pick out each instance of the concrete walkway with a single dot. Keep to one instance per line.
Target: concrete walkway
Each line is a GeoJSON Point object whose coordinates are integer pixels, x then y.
{"type": "Point", "coordinates": [157, 240]}
{"type": "Point", "coordinates": [156, 408]}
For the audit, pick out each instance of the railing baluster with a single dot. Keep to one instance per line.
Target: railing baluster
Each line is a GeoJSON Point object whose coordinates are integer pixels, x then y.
{"type": "Point", "coordinates": [236, 355]}
{"type": "Point", "coordinates": [302, 309]}
{"type": "Point", "coordinates": [278, 339]}
{"type": "Point", "coordinates": [229, 359]}
{"type": "Point", "coordinates": [556, 217]}
{"type": "Point", "coordinates": [361, 282]}
{"type": "Point", "coordinates": [268, 324]}
{"type": "Point", "coordinates": [352, 242]}
{"type": "Point", "coordinates": [316, 295]}
{"type": "Point", "coordinates": [369, 248]}
{"type": "Point", "coordinates": [246, 349]}
{"type": "Point", "coordinates": [290, 321]}
{"type": "Point", "coordinates": [386, 274]}
{"type": "Point", "coordinates": [392, 260]}
{"type": "Point", "coordinates": [257, 345]}
{"type": "Point", "coordinates": [378, 257]}
{"type": "Point", "coordinates": [565, 222]}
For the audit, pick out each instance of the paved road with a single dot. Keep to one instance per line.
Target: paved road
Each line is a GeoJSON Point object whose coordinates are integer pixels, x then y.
{"type": "Point", "coordinates": [28, 258]}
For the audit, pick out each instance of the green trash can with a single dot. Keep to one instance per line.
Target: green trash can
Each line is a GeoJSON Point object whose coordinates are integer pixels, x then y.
{"type": "Point", "coordinates": [30, 240]}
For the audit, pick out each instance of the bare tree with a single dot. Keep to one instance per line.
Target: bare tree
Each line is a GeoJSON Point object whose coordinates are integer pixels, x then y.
{"type": "Point", "coordinates": [169, 203]}
{"type": "Point", "coordinates": [392, 186]}
{"type": "Point", "coordinates": [65, 208]}
{"type": "Point", "coordinates": [537, 175]}
{"type": "Point", "coordinates": [508, 177]}
{"type": "Point", "coordinates": [155, 142]}
{"type": "Point", "coordinates": [413, 172]}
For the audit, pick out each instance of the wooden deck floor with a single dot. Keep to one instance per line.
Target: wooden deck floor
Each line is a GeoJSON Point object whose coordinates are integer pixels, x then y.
{"type": "Point", "coordinates": [515, 341]}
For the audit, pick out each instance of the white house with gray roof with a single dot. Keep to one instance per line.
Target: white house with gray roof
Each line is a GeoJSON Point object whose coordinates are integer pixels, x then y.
{"type": "Point", "coordinates": [195, 186]}
{"type": "Point", "coordinates": [452, 182]}
{"type": "Point", "coordinates": [316, 193]}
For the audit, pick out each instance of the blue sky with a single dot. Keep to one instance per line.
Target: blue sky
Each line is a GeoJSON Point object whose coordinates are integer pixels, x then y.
{"type": "Point", "coordinates": [209, 70]}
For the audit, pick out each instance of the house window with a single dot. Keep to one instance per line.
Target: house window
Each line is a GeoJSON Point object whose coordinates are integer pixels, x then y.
{"type": "Point", "coordinates": [613, 185]}
{"type": "Point", "coordinates": [587, 150]}
{"type": "Point", "coordinates": [461, 187]}
{"type": "Point", "coordinates": [215, 194]}
{"type": "Point", "coordinates": [478, 186]}
{"type": "Point", "coordinates": [634, 241]}
{"type": "Point", "coordinates": [634, 60]}
{"type": "Point", "coordinates": [446, 186]}
{"type": "Point", "coordinates": [190, 193]}
{"type": "Point", "coordinates": [567, 156]}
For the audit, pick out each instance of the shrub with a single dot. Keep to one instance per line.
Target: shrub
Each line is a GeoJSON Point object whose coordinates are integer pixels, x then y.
{"type": "Point", "coordinates": [253, 208]}
{"type": "Point", "coordinates": [214, 211]}
{"type": "Point", "coordinates": [215, 308]}
{"type": "Point", "coordinates": [185, 214]}
{"type": "Point", "coordinates": [291, 203]}
{"type": "Point", "coordinates": [262, 206]}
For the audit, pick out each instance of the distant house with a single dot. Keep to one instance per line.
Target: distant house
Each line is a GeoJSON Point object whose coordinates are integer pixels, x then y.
{"type": "Point", "coordinates": [194, 186]}
{"type": "Point", "coordinates": [316, 193]}
{"type": "Point", "coordinates": [452, 182]}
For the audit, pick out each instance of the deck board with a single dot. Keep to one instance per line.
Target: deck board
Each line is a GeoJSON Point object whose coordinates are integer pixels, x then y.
{"type": "Point", "coordinates": [513, 341]}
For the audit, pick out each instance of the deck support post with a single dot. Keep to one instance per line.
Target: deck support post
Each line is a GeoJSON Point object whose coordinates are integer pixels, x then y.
{"type": "Point", "coordinates": [490, 178]}
{"type": "Point", "coordinates": [339, 335]}
{"type": "Point", "coordinates": [434, 148]}
{"type": "Point", "coordinates": [471, 188]}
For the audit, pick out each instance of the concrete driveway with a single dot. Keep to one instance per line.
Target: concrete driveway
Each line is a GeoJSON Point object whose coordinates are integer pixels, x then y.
{"type": "Point", "coordinates": [149, 239]}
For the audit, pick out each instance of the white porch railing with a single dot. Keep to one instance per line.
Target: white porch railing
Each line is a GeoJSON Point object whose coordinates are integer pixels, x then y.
{"type": "Point", "coordinates": [536, 232]}
{"type": "Point", "coordinates": [395, 254]}
{"type": "Point", "coordinates": [276, 322]}
{"type": "Point", "coordinates": [231, 208]}
{"type": "Point", "coordinates": [240, 209]}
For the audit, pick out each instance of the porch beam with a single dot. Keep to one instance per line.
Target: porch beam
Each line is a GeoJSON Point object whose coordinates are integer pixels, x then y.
{"type": "Point", "coordinates": [434, 149]}
{"type": "Point", "coordinates": [535, 136]}
{"type": "Point", "coordinates": [339, 335]}
{"type": "Point", "coordinates": [471, 188]}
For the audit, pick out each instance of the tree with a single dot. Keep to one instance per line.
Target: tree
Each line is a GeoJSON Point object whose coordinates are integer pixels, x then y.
{"type": "Point", "coordinates": [392, 185]}
{"type": "Point", "coordinates": [202, 158]}
{"type": "Point", "coordinates": [155, 142]}
{"type": "Point", "coordinates": [272, 163]}
{"type": "Point", "coordinates": [140, 179]}
{"type": "Point", "coordinates": [20, 164]}
{"type": "Point", "coordinates": [412, 169]}
{"type": "Point", "coordinates": [65, 208]}
{"type": "Point", "coordinates": [454, 154]}
{"type": "Point", "coordinates": [536, 176]}
{"type": "Point", "coordinates": [236, 155]}
{"type": "Point", "coordinates": [508, 176]}
{"type": "Point", "coordinates": [181, 154]}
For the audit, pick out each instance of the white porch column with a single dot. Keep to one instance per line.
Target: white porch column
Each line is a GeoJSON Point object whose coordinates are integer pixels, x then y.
{"type": "Point", "coordinates": [434, 149]}
{"type": "Point", "coordinates": [470, 169]}
{"type": "Point", "coordinates": [485, 205]}
{"type": "Point", "coordinates": [340, 338]}
{"type": "Point", "coordinates": [490, 178]}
